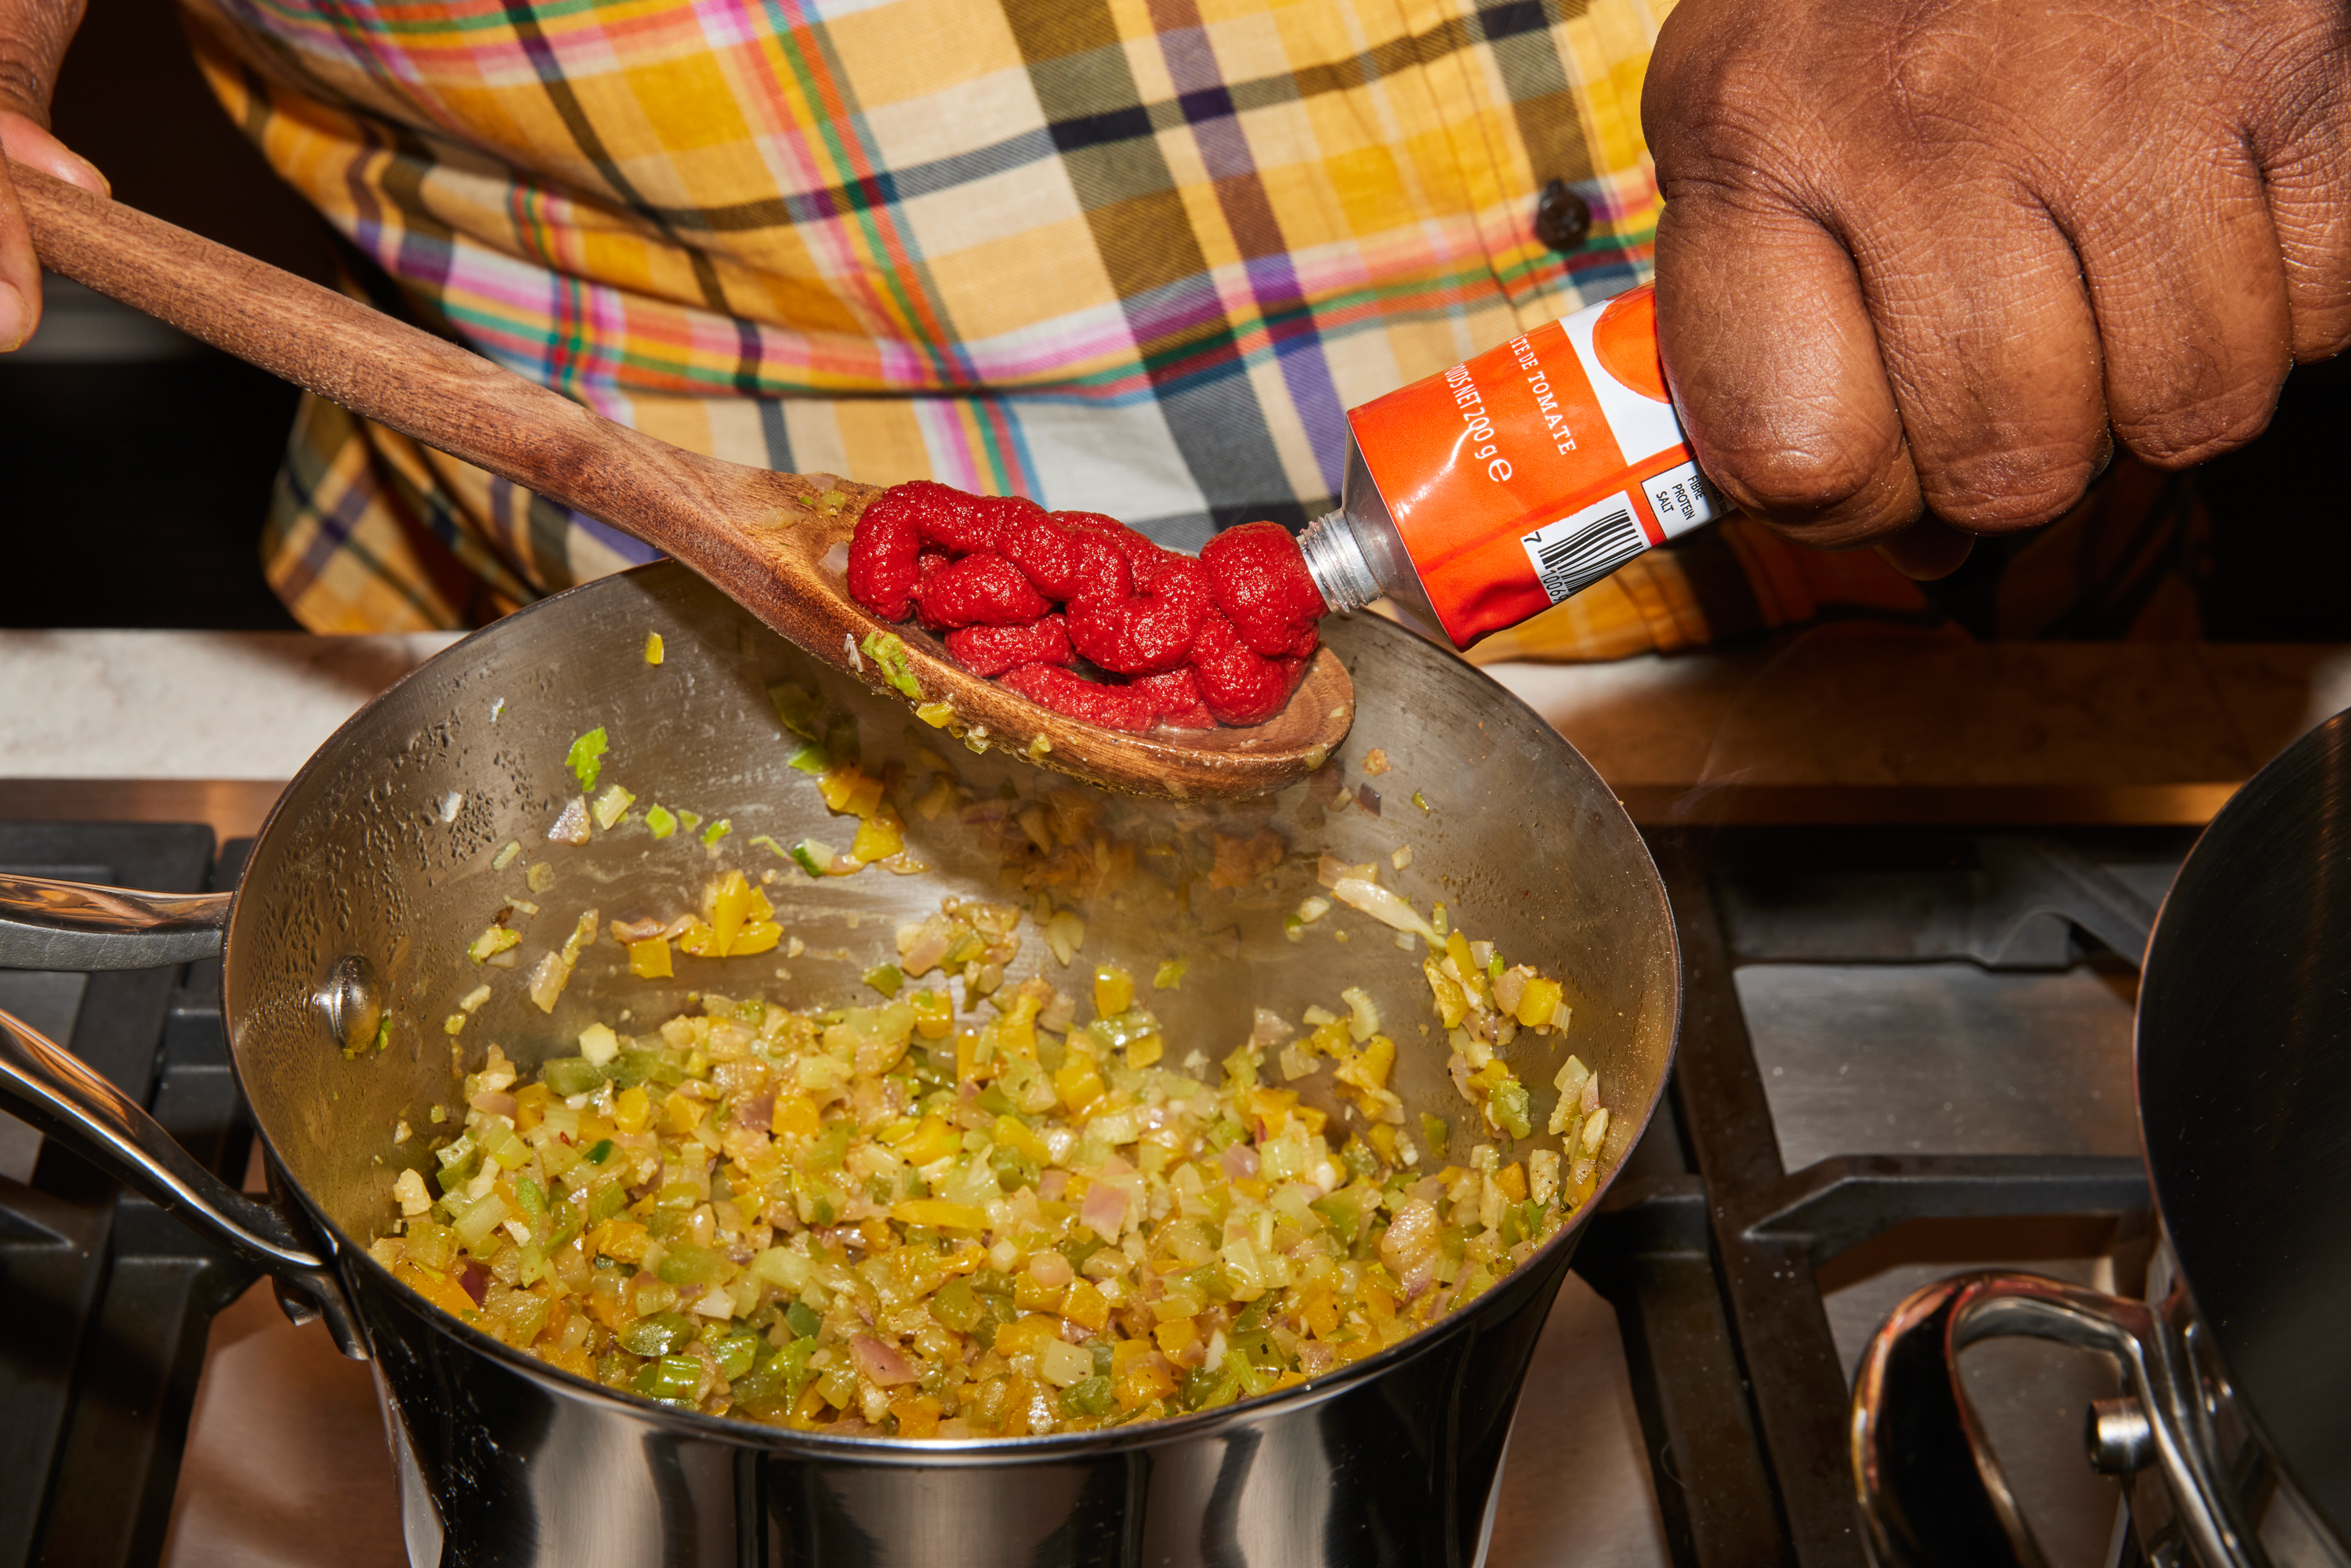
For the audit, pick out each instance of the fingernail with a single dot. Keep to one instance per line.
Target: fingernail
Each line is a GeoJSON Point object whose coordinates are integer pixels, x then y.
{"type": "Point", "coordinates": [75, 169]}
{"type": "Point", "coordinates": [11, 320]}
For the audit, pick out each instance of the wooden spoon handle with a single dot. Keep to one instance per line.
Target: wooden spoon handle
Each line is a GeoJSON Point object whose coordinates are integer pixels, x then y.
{"type": "Point", "coordinates": [421, 385]}
{"type": "Point", "coordinates": [772, 542]}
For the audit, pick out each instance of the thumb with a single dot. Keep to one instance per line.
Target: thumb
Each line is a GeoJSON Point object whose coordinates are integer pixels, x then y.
{"type": "Point", "coordinates": [25, 140]}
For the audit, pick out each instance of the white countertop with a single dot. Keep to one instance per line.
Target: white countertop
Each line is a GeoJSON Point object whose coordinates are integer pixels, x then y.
{"type": "Point", "coordinates": [186, 704]}
{"type": "Point", "coordinates": [1831, 711]}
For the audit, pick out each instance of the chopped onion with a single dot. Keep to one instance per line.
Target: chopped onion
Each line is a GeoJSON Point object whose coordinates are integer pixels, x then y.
{"type": "Point", "coordinates": [879, 1364]}
{"type": "Point", "coordinates": [547, 981]}
{"type": "Point", "coordinates": [1239, 1161]}
{"type": "Point", "coordinates": [1061, 1364]}
{"type": "Point", "coordinates": [1270, 1027]}
{"type": "Point", "coordinates": [571, 827]}
{"type": "Point", "coordinates": [1330, 871]}
{"type": "Point", "coordinates": [1065, 933]}
{"type": "Point", "coordinates": [1105, 1209]}
{"type": "Point", "coordinates": [599, 1044]}
{"type": "Point", "coordinates": [1381, 905]}
{"type": "Point", "coordinates": [1509, 985]}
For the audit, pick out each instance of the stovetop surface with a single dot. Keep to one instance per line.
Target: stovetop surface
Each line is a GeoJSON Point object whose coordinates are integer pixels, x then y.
{"type": "Point", "coordinates": [1956, 1006]}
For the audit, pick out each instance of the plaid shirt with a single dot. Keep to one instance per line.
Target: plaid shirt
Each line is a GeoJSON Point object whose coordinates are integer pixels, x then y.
{"type": "Point", "coordinates": [1126, 256]}
{"type": "Point", "coordinates": [1135, 256]}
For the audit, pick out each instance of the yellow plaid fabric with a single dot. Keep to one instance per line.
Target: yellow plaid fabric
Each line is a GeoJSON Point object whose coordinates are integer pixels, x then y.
{"type": "Point", "coordinates": [1135, 256]}
{"type": "Point", "coordinates": [1128, 255]}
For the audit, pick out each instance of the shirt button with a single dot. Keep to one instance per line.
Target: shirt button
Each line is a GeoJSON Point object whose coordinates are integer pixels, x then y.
{"type": "Point", "coordinates": [1563, 218]}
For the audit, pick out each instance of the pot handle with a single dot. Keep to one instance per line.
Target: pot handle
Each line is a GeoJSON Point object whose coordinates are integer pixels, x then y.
{"type": "Point", "coordinates": [50, 1088]}
{"type": "Point", "coordinates": [47, 924]}
{"type": "Point", "coordinates": [1929, 1488]}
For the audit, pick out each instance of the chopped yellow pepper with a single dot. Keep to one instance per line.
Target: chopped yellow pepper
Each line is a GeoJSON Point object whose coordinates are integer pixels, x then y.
{"type": "Point", "coordinates": [1085, 1307]}
{"type": "Point", "coordinates": [1015, 1134]}
{"type": "Point", "coordinates": [933, 1138]}
{"type": "Point", "coordinates": [1080, 1081]}
{"type": "Point", "coordinates": [939, 1213]}
{"type": "Point", "coordinates": [1113, 990]}
{"type": "Point", "coordinates": [1539, 1003]}
{"type": "Point", "coordinates": [795, 1115]}
{"type": "Point", "coordinates": [880, 836]}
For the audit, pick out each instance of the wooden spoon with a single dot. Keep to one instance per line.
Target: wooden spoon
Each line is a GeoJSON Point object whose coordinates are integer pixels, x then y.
{"type": "Point", "coordinates": [762, 537]}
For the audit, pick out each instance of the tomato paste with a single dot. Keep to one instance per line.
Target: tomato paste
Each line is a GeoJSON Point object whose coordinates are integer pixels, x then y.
{"type": "Point", "coordinates": [1478, 497]}
{"type": "Point", "coordinates": [1489, 493]}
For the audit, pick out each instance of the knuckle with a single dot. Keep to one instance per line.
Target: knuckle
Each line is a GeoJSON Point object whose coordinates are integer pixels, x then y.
{"type": "Point", "coordinates": [1808, 481]}
{"type": "Point", "coordinates": [2197, 430]}
{"type": "Point", "coordinates": [2013, 488]}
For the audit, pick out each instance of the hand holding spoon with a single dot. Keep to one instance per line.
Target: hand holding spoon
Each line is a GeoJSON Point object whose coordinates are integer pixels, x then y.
{"type": "Point", "coordinates": [766, 539]}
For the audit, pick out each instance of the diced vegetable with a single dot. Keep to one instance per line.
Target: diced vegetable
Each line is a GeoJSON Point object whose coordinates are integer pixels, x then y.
{"type": "Point", "coordinates": [491, 943]}
{"type": "Point", "coordinates": [612, 805]}
{"type": "Point", "coordinates": [959, 1211]}
{"type": "Point", "coordinates": [1381, 905]}
{"type": "Point", "coordinates": [586, 757]}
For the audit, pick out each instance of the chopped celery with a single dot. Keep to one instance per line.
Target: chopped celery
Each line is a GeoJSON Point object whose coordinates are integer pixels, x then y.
{"type": "Point", "coordinates": [569, 1075]}
{"type": "Point", "coordinates": [661, 1333]}
{"type": "Point", "coordinates": [814, 858]}
{"type": "Point", "coordinates": [601, 1151]}
{"type": "Point", "coordinates": [491, 943]}
{"type": "Point", "coordinates": [661, 819]}
{"type": "Point", "coordinates": [674, 1378]}
{"type": "Point", "coordinates": [884, 978]}
{"type": "Point", "coordinates": [1508, 1102]}
{"type": "Point", "coordinates": [717, 831]}
{"type": "Point", "coordinates": [1087, 1397]}
{"type": "Point", "coordinates": [609, 805]}
{"type": "Point", "coordinates": [889, 655]}
{"type": "Point", "coordinates": [1171, 974]}
{"type": "Point", "coordinates": [586, 757]}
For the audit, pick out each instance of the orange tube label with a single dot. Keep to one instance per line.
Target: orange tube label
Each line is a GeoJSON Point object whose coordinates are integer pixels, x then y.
{"type": "Point", "coordinates": [1531, 472]}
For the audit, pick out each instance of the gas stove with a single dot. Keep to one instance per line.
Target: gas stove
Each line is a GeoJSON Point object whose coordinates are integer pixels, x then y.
{"type": "Point", "coordinates": [1905, 1052]}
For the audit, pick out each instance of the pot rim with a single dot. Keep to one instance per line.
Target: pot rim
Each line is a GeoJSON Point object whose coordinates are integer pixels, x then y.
{"type": "Point", "coordinates": [958, 1451]}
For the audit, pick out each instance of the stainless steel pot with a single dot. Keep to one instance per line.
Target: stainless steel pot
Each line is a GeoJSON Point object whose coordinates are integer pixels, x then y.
{"type": "Point", "coordinates": [2233, 1433]}
{"type": "Point", "coordinates": [377, 867]}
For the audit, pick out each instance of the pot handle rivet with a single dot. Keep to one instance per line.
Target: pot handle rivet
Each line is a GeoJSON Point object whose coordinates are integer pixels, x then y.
{"type": "Point", "coordinates": [2119, 1437]}
{"type": "Point", "coordinates": [347, 998]}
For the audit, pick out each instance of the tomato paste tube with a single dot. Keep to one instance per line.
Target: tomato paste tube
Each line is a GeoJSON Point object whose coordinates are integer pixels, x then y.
{"type": "Point", "coordinates": [1487, 494]}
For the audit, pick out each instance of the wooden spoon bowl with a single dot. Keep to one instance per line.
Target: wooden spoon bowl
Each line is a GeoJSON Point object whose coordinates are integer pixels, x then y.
{"type": "Point", "coordinates": [766, 539]}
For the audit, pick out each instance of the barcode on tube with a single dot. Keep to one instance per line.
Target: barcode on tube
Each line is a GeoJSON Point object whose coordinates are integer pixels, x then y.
{"type": "Point", "coordinates": [1577, 551]}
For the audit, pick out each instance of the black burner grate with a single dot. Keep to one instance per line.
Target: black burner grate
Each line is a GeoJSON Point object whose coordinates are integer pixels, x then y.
{"type": "Point", "coordinates": [105, 1302]}
{"type": "Point", "coordinates": [1710, 1249]}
